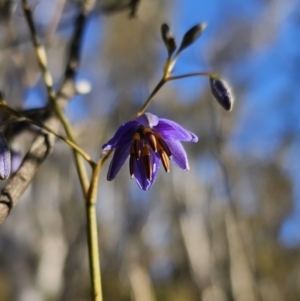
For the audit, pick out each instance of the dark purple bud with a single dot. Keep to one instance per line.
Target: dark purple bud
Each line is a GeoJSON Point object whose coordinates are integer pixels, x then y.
{"type": "Point", "coordinates": [191, 36]}
{"type": "Point", "coordinates": [5, 160]}
{"type": "Point", "coordinates": [168, 38]}
{"type": "Point", "coordinates": [221, 92]}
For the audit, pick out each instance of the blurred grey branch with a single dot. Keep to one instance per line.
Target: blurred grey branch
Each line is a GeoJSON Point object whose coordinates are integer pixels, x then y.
{"type": "Point", "coordinates": [43, 144]}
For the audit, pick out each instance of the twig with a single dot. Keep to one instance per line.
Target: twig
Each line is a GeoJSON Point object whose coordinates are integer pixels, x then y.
{"type": "Point", "coordinates": [42, 61]}
{"type": "Point", "coordinates": [41, 147]}
{"type": "Point", "coordinates": [92, 232]}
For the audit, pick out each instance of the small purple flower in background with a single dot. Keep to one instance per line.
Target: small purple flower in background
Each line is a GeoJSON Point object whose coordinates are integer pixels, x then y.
{"type": "Point", "coordinates": [5, 159]}
{"type": "Point", "coordinates": [16, 159]}
{"type": "Point", "coordinates": [148, 140]}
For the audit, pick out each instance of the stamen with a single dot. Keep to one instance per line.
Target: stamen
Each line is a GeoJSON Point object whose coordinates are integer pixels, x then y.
{"type": "Point", "coordinates": [131, 161]}
{"type": "Point", "coordinates": [137, 145]}
{"type": "Point", "coordinates": [152, 141]}
{"type": "Point", "coordinates": [164, 146]}
{"type": "Point", "coordinates": [147, 161]}
{"type": "Point", "coordinates": [164, 160]}
{"type": "Point", "coordinates": [131, 166]}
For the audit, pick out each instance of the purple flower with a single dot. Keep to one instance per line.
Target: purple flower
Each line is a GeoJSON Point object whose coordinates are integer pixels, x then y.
{"type": "Point", "coordinates": [148, 140]}
{"type": "Point", "coordinates": [5, 160]}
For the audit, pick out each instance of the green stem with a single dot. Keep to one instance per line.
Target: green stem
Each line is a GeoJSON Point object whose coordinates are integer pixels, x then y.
{"type": "Point", "coordinates": [93, 250]}
{"type": "Point", "coordinates": [207, 74]}
{"type": "Point", "coordinates": [93, 246]}
{"type": "Point", "coordinates": [81, 170]}
{"type": "Point", "coordinates": [42, 61]}
{"type": "Point", "coordinates": [74, 146]}
{"type": "Point", "coordinates": [154, 92]}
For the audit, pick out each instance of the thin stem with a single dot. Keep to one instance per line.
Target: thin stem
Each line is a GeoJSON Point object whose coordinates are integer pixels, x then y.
{"type": "Point", "coordinates": [93, 246]}
{"type": "Point", "coordinates": [66, 140]}
{"type": "Point", "coordinates": [150, 98]}
{"type": "Point", "coordinates": [40, 51]}
{"type": "Point", "coordinates": [207, 74]}
{"type": "Point", "coordinates": [93, 250]}
{"type": "Point", "coordinates": [166, 78]}
{"type": "Point", "coordinates": [74, 146]}
{"type": "Point", "coordinates": [42, 61]}
{"type": "Point", "coordinates": [81, 170]}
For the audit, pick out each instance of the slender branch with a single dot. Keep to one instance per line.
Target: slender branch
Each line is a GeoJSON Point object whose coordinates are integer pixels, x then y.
{"type": "Point", "coordinates": [150, 98]}
{"type": "Point", "coordinates": [93, 248]}
{"type": "Point", "coordinates": [166, 78]}
{"type": "Point", "coordinates": [42, 61]}
{"type": "Point", "coordinates": [42, 126]}
{"type": "Point", "coordinates": [93, 245]}
{"type": "Point", "coordinates": [40, 52]}
{"type": "Point", "coordinates": [207, 74]}
{"type": "Point", "coordinates": [66, 140]}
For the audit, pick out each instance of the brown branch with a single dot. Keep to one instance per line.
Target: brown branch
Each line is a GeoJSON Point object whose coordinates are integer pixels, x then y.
{"type": "Point", "coordinates": [43, 144]}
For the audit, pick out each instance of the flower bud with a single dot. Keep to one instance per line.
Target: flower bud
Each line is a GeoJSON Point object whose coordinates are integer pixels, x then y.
{"type": "Point", "coordinates": [191, 36]}
{"type": "Point", "coordinates": [221, 92]}
{"type": "Point", "coordinates": [168, 39]}
{"type": "Point", "coordinates": [5, 160]}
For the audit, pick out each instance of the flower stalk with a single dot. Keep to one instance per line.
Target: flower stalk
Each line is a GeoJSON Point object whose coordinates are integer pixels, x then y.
{"type": "Point", "coordinates": [92, 232]}
{"type": "Point", "coordinates": [42, 61]}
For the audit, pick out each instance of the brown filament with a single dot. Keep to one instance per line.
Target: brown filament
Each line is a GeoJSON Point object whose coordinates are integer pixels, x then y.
{"type": "Point", "coordinates": [165, 147]}
{"type": "Point", "coordinates": [164, 160]}
{"type": "Point", "coordinates": [131, 161]}
{"type": "Point", "coordinates": [152, 141]}
{"type": "Point", "coordinates": [131, 166]}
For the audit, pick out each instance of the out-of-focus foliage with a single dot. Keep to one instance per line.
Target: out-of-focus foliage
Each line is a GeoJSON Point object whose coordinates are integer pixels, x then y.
{"type": "Point", "coordinates": [227, 229]}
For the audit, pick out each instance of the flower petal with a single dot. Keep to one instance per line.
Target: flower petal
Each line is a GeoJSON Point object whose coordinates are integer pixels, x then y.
{"type": "Point", "coordinates": [122, 136]}
{"type": "Point", "coordinates": [5, 158]}
{"type": "Point", "coordinates": [171, 130]}
{"type": "Point", "coordinates": [148, 119]}
{"type": "Point", "coordinates": [120, 155]}
{"type": "Point", "coordinates": [178, 154]}
{"type": "Point", "coordinates": [140, 173]}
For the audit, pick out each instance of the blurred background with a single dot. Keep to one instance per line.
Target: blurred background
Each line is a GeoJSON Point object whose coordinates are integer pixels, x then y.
{"type": "Point", "coordinates": [227, 230]}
